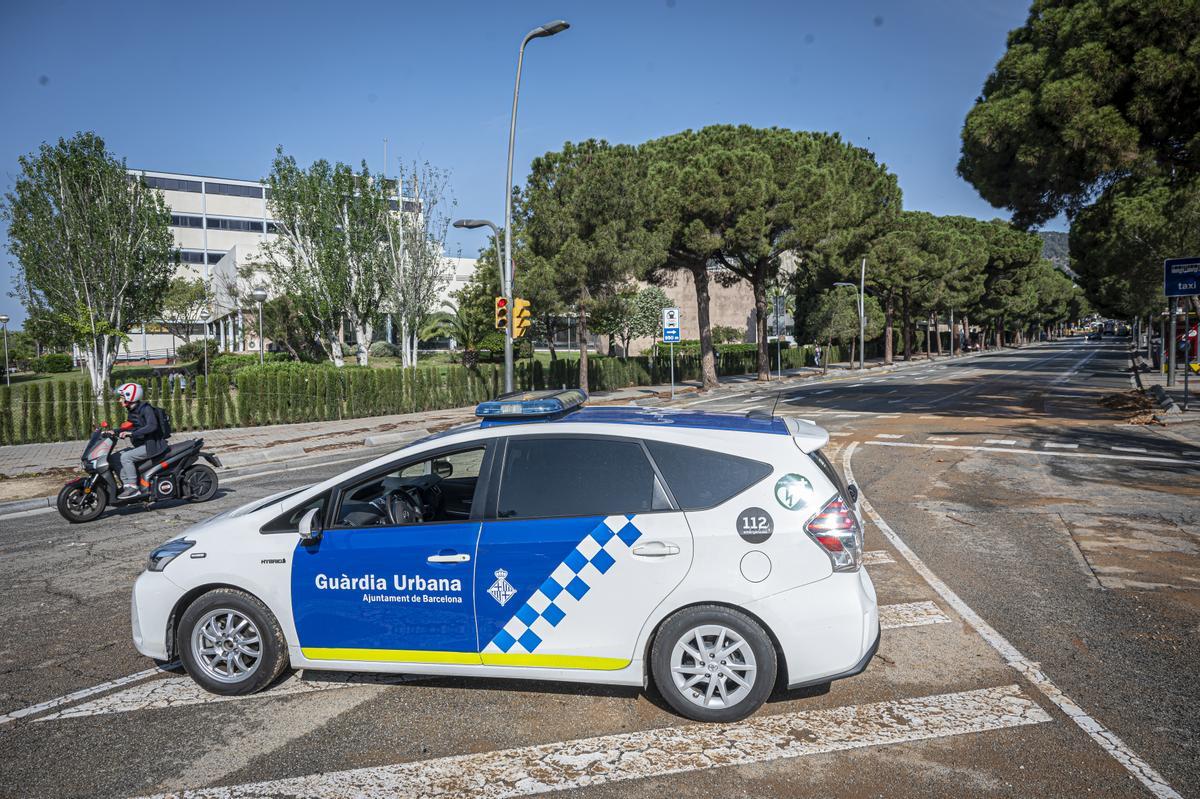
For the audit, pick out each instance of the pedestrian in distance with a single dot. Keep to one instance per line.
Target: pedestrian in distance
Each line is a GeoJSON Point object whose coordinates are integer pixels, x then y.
{"type": "Point", "coordinates": [817, 355]}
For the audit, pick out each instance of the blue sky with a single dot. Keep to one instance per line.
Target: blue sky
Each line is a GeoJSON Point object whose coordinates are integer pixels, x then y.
{"type": "Point", "coordinates": [211, 88]}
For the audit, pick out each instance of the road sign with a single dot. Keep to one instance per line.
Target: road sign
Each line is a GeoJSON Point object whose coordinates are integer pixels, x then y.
{"type": "Point", "coordinates": [671, 335]}
{"type": "Point", "coordinates": [1181, 277]}
{"type": "Point", "coordinates": [670, 318]}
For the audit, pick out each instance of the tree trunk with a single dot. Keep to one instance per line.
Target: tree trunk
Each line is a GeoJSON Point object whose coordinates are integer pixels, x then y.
{"type": "Point", "coordinates": [937, 327]}
{"type": "Point", "coordinates": [828, 355]}
{"type": "Point", "coordinates": [760, 326]}
{"type": "Point", "coordinates": [889, 313]}
{"type": "Point", "coordinates": [362, 338]}
{"type": "Point", "coordinates": [335, 350]}
{"type": "Point", "coordinates": [583, 353]}
{"type": "Point", "coordinates": [708, 364]}
{"type": "Point", "coordinates": [906, 330]}
{"type": "Point", "coordinates": [98, 359]}
{"type": "Point", "coordinates": [966, 332]}
{"type": "Point", "coordinates": [1000, 333]}
{"type": "Point", "coordinates": [853, 346]}
{"type": "Point", "coordinates": [928, 333]}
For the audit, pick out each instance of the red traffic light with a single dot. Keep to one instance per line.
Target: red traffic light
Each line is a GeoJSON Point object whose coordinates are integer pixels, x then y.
{"type": "Point", "coordinates": [501, 302]}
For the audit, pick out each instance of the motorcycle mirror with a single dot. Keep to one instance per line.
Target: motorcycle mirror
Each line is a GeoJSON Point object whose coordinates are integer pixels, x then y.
{"type": "Point", "coordinates": [852, 490]}
{"type": "Point", "coordinates": [310, 526]}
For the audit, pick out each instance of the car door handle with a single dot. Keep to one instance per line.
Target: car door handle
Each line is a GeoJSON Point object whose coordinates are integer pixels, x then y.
{"type": "Point", "coordinates": [655, 549]}
{"type": "Point", "coordinates": [454, 558]}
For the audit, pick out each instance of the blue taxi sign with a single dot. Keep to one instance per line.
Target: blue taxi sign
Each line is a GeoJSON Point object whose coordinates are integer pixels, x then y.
{"type": "Point", "coordinates": [1181, 277]}
{"type": "Point", "coordinates": [530, 405]}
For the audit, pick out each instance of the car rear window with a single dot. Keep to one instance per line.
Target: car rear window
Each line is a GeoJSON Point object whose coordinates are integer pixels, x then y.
{"type": "Point", "coordinates": [700, 478]}
{"type": "Point", "coordinates": [830, 472]}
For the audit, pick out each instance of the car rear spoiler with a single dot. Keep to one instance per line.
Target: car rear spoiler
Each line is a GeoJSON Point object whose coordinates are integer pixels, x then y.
{"type": "Point", "coordinates": [808, 435]}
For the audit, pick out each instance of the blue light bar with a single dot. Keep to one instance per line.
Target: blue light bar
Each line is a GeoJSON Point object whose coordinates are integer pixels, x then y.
{"type": "Point", "coordinates": [531, 405]}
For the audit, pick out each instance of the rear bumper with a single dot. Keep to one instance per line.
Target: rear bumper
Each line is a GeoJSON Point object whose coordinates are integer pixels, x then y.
{"type": "Point", "coordinates": [827, 630]}
{"type": "Point", "coordinates": [154, 597]}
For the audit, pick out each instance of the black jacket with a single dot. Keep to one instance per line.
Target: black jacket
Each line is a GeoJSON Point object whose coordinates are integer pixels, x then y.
{"type": "Point", "coordinates": [146, 429]}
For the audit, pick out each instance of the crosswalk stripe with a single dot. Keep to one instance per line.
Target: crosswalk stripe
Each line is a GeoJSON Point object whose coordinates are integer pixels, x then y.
{"type": "Point", "coordinates": [889, 435]}
{"type": "Point", "coordinates": [606, 759]}
{"type": "Point", "coordinates": [1057, 445]}
{"type": "Point", "coordinates": [181, 691]}
{"type": "Point", "coordinates": [1008, 442]}
{"type": "Point", "coordinates": [877, 557]}
{"type": "Point", "coordinates": [943, 438]}
{"type": "Point", "coordinates": [911, 614]}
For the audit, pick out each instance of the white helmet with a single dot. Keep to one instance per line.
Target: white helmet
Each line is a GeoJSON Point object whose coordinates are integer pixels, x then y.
{"type": "Point", "coordinates": [130, 393]}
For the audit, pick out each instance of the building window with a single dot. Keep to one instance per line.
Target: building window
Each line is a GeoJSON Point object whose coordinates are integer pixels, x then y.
{"type": "Point", "coordinates": [214, 256]}
{"type": "Point", "coordinates": [272, 227]}
{"type": "Point", "coordinates": [242, 225]}
{"type": "Point", "coordinates": [186, 220]}
{"type": "Point", "coordinates": [191, 256]}
{"type": "Point", "coordinates": [171, 184]}
{"type": "Point", "coordinates": [234, 190]}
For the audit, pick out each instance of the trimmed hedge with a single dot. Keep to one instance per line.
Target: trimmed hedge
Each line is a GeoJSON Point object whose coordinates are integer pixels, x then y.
{"type": "Point", "coordinates": [53, 363]}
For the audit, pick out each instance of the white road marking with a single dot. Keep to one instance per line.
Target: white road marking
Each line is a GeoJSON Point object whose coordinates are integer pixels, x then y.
{"type": "Point", "coordinates": [1106, 738]}
{"type": "Point", "coordinates": [1056, 445]}
{"type": "Point", "coordinates": [889, 435]}
{"type": "Point", "coordinates": [893, 402]}
{"type": "Point", "coordinates": [1008, 442]}
{"type": "Point", "coordinates": [180, 691]}
{"type": "Point", "coordinates": [753, 399]}
{"type": "Point", "coordinates": [1075, 369]}
{"type": "Point", "coordinates": [826, 391]}
{"type": "Point", "coordinates": [887, 416]}
{"type": "Point", "coordinates": [1129, 449]}
{"type": "Point", "coordinates": [911, 614]}
{"type": "Point", "coordinates": [877, 557]}
{"type": "Point", "coordinates": [568, 765]}
{"type": "Point", "coordinates": [849, 415]}
{"type": "Point", "coordinates": [84, 693]}
{"type": "Point", "coordinates": [942, 438]}
{"type": "Point", "coordinates": [838, 434]}
{"type": "Point", "coordinates": [930, 416]}
{"type": "Point", "coordinates": [854, 385]}
{"type": "Point", "coordinates": [1043, 453]}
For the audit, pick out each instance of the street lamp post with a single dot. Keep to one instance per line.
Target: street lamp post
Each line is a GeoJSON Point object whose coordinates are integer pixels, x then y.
{"type": "Point", "coordinates": [471, 224]}
{"type": "Point", "coordinates": [260, 296]}
{"type": "Point", "coordinates": [506, 284]}
{"type": "Point", "coordinates": [4, 322]}
{"type": "Point", "coordinates": [862, 326]}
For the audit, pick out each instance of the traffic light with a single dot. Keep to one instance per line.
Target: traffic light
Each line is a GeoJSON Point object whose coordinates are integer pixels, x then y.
{"type": "Point", "coordinates": [501, 313]}
{"type": "Point", "coordinates": [520, 316]}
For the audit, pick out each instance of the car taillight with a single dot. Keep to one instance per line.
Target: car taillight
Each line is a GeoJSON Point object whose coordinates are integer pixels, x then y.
{"type": "Point", "coordinates": [835, 529]}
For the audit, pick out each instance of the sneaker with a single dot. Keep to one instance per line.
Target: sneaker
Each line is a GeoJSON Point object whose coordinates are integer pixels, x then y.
{"type": "Point", "coordinates": [128, 492]}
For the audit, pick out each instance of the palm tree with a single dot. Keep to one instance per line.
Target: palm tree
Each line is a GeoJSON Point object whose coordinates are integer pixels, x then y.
{"type": "Point", "coordinates": [466, 332]}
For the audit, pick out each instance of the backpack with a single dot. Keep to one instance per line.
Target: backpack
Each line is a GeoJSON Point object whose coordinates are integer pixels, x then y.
{"type": "Point", "coordinates": [164, 422]}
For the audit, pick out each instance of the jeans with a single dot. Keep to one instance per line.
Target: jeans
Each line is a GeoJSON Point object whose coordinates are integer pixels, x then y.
{"type": "Point", "coordinates": [129, 459]}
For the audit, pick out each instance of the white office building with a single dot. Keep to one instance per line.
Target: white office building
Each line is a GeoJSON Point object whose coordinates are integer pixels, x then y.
{"type": "Point", "coordinates": [220, 226]}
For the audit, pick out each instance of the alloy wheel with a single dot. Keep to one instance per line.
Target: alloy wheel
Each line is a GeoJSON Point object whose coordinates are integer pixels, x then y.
{"type": "Point", "coordinates": [713, 667]}
{"type": "Point", "coordinates": [227, 645]}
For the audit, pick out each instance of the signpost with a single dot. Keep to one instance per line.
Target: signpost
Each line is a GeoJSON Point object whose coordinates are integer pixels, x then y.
{"type": "Point", "coordinates": [1181, 278]}
{"type": "Point", "coordinates": [670, 326]}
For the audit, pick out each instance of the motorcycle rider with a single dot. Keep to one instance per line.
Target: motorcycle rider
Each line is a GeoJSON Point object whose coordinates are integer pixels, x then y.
{"type": "Point", "coordinates": [146, 435]}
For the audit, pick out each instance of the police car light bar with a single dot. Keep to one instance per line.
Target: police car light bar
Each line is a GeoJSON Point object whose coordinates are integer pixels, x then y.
{"type": "Point", "coordinates": [531, 405]}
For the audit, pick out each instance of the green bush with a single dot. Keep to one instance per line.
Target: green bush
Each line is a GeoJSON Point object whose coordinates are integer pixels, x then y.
{"type": "Point", "coordinates": [194, 350]}
{"type": "Point", "coordinates": [381, 349]}
{"type": "Point", "coordinates": [53, 363]}
{"type": "Point", "coordinates": [230, 363]}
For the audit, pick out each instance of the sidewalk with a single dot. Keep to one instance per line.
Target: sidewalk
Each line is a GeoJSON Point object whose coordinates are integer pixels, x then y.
{"type": "Point", "coordinates": [35, 470]}
{"type": "Point", "coordinates": [1180, 424]}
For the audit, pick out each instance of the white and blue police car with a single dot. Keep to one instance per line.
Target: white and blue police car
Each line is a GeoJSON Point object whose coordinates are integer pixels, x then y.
{"type": "Point", "coordinates": [718, 555]}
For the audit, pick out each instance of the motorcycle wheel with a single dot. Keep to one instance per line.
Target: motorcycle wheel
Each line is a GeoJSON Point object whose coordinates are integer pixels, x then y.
{"type": "Point", "coordinates": [200, 482]}
{"type": "Point", "coordinates": [76, 506]}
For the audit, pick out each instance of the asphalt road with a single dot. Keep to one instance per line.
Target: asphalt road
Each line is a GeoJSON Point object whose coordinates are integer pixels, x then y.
{"type": "Point", "coordinates": [1037, 566]}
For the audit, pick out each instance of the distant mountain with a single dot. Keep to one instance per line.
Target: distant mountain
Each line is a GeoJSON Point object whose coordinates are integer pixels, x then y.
{"type": "Point", "coordinates": [1055, 249]}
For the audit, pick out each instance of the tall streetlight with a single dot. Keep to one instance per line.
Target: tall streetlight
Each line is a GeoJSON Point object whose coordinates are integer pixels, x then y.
{"type": "Point", "coordinates": [506, 283]}
{"type": "Point", "coordinates": [471, 224]}
{"type": "Point", "coordinates": [4, 322]}
{"type": "Point", "coordinates": [260, 296]}
{"type": "Point", "coordinates": [862, 319]}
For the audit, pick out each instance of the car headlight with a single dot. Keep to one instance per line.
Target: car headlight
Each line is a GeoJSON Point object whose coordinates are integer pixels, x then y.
{"type": "Point", "coordinates": [166, 553]}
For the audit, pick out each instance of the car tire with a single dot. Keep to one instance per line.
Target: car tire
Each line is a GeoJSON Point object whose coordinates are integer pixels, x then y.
{"type": "Point", "coordinates": [230, 643]}
{"type": "Point", "coordinates": [714, 688]}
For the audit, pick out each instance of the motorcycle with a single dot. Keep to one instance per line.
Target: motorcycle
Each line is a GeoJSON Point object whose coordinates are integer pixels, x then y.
{"type": "Point", "coordinates": [175, 474]}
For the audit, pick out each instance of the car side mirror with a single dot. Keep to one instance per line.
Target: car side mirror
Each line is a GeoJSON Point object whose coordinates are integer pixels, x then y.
{"type": "Point", "coordinates": [443, 469]}
{"type": "Point", "coordinates": [310, 526]}
{"type": "Point", "coordinates": [852, 490]}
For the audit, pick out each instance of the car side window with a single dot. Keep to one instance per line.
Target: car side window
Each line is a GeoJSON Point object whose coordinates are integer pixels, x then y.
{"type": "Point", "coordinates": [547, 476]}
{"type": "Point", "coordinates": [439, 488]}
{"type": "Point", "coordinates": [701, 479]}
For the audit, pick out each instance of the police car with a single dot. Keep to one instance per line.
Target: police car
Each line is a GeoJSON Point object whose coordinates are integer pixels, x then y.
{"type": "Point", "coordinates": [714, 554]}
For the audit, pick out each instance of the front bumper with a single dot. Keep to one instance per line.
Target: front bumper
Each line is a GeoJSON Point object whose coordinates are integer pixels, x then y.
{"type": "Point", "coordinates": [827, 630]}
{"type": "Point", "coordinates": [154, 597]}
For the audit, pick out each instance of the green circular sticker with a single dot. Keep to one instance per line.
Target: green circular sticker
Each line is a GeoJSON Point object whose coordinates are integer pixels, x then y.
{"type": "Point", "coordinates": [793, 491]}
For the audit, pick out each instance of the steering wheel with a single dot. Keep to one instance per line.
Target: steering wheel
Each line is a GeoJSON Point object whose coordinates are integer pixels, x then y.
{"type": "Point", "coordinates": [404, 506]}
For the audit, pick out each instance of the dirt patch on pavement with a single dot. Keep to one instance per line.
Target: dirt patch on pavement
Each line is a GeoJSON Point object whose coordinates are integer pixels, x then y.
{"type": "Point", "coordinates": [1135, 403]}
{"type": "Point", "coordinates": [41, 485]}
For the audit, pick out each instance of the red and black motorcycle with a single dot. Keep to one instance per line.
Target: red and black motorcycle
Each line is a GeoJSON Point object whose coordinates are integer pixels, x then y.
{"type": "Point", "coordinates": [175, 474]}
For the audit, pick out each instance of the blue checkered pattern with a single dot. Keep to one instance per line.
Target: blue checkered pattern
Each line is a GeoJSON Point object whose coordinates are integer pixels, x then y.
{"type": "Point", "coordinates": [566, 585]}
